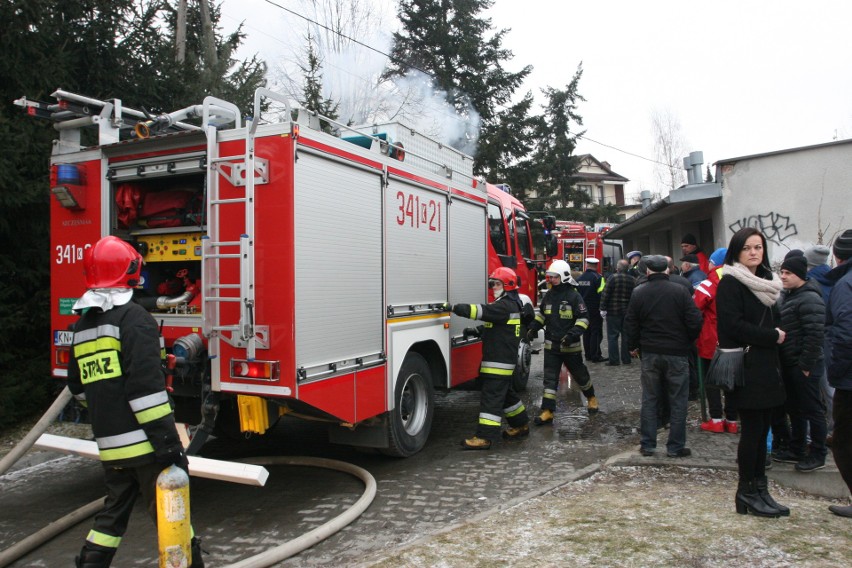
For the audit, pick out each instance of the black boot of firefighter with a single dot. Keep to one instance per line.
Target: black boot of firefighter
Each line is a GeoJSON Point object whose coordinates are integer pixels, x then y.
{"type": "Point", "coordinates": [197, 559]}
{"type": "Point", "coordinates": [91, 557]}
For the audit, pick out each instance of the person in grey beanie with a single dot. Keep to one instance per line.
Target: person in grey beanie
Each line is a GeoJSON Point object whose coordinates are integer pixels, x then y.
{"type": "Point", "coordinates": [817, 258]}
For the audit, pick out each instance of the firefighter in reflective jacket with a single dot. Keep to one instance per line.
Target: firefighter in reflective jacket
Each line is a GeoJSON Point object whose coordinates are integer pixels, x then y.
{"type": "Point", "coordinates": [563, 316]}
{"type": "Point", "coordinates": [501, 334]}
{"type": "Point", "coordinates": [116, 372]}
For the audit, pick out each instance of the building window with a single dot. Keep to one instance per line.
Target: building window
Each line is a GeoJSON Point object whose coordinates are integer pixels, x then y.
{"type": "Point", "coordinates": [619, 194]}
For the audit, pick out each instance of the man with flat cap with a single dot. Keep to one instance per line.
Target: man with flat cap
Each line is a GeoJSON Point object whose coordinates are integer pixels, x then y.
{"type": "Point", "coordinates": [690, 269]}
{"type": "Point", "coordinates": [591, 286]}
{"type": "Point", "coordinates": [662, 322]}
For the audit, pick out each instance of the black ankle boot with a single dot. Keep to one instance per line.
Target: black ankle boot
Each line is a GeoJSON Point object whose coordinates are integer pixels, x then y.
{"type": "Point", "coordinates": [197, 560]}
{"type": "Point", "coordinates": [94, 557]}
{"type": "Point", "coordinates": [748, 500]}
{"type": "Point", "coordinates": [762, 484]}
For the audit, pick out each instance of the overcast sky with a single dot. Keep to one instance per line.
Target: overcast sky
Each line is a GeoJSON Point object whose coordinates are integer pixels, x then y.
{"type": "Point", "coordinates": [742, 77]}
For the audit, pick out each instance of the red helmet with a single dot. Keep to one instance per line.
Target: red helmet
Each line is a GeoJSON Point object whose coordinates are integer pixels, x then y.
{"type": "Point", "coordinates": [507, 276]}
{"type": "Point", "coordinates": [111, 263]}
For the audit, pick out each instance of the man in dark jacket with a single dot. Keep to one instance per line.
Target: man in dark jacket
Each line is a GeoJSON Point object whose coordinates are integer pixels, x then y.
{"type": "Point", "coordinates": [802, 318]}
{"type": "Point", "coordinates": [116, 372]}
{"type": "Point", "coordinates": [838, 326]}
{"type": "Point", "coordinates": [590, 285]}
{"type": "Point", "coordinates": [663, 322]}
{"type": "Point", "coordinates": [614, 300]}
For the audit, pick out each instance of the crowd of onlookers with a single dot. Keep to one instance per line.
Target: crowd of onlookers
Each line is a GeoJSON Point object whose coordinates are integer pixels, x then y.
{"type": "Point", "coordinates": [789, 327]}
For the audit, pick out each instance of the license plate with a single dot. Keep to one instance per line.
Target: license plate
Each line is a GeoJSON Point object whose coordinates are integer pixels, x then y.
{"type": "Point", "coordinates": [62, 337]}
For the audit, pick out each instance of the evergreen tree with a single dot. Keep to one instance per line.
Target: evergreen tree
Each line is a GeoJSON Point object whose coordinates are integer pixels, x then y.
{"type": "Point", "coordinates": [447, 39]}
{"type": "Point", "coordinates": [207, 70]}
{"type": "Point", "coordinates": [103, 49]}
{"type": "Point", "coordinates": [312, 90]}
{"type": "Point", "coordinates": [556, 164]}
{"type": "Point", "coordinates": [708, 177]}
{"type": "Point", "coordinates": [597, 213]}
{"type": "Point", "coordinates": [506, 147]}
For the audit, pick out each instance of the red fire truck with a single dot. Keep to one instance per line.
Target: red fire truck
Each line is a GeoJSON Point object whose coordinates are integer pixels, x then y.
{"type": "Point", "coordinates": [292, 271]}
{"type": "Point", "coordinates": [575, 242]}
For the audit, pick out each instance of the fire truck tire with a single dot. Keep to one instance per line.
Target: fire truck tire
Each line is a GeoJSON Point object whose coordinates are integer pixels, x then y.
{"type": "Point", "coordinates": [522, 369]}
{"type": "Point", "coordinates": [410, 421]}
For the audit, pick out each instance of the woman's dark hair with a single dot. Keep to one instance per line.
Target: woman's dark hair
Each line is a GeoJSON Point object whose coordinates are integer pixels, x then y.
{"type": "Point", "coordinates": [735, 248]}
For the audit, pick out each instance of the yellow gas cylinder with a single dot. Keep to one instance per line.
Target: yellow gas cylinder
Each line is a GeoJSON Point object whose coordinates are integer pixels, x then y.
{"type": "Point", "coordinates": [174, 530]}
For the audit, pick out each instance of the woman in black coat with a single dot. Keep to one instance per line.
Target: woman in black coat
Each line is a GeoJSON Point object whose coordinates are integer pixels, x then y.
{"type": "Point", "coordinates": [748, 318]}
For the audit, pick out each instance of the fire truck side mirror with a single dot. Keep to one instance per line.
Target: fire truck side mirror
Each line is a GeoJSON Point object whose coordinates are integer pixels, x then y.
{"type": "Point", "coordinates": [551, 247]}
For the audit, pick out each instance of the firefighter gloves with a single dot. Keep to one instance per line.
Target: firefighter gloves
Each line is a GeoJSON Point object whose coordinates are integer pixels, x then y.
{"type": "Point", "coordinates": [568, 340]}
{"type": "Point", "coordinates": [470, 332]}
{"type": "Point", "coordinates": [173, 456]}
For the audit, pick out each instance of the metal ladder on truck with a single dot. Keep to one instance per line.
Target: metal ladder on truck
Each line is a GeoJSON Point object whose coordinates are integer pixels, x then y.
{"type": "Point", "coordinates": [248, 171]}
{"type": "Point", "coordinates": [591, 248]}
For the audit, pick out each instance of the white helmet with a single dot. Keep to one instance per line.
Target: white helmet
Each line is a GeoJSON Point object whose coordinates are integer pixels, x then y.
{"type": "Point", "coordinates": [563, 269]}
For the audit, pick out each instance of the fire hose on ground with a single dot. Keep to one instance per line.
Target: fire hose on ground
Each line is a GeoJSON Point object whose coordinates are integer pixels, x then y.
{"type": "Point", "coordinates": [262, 560]}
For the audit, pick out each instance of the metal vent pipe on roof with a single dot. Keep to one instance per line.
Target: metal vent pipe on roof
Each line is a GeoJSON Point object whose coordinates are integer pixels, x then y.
{"type": "Point", "coordinates": [692, 164]}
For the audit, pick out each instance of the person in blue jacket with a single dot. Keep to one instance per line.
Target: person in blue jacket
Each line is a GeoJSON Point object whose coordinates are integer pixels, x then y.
{"type": "Point", "coordinates": [838, 357]}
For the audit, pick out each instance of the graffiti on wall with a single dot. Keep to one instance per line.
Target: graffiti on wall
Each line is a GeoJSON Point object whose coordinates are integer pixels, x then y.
{"type": "Point", "coordinates": [774, 226]}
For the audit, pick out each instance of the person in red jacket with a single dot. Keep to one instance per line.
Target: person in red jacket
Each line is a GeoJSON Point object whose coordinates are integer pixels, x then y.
{"type": "Point", "coordinates": [705, 299]}
{"type": "Point", "coordinates": [689, 245]}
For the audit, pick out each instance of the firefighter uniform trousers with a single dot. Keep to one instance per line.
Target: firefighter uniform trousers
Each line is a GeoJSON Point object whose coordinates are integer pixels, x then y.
{"type": "Point", "coordinates": [124, 485]}
{"type": "Point", "coordinates": [501, 334]}
{"type": "Point", "coordinates": [564, 316]}
{"type": "Point", "coordinates": [553, 361]}
{"type": "Point", "coordinates": [498, 399]}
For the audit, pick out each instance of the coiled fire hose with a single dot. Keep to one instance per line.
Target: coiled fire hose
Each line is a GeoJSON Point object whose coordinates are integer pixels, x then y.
{"type": "Point", "coordinates": [261, 560]}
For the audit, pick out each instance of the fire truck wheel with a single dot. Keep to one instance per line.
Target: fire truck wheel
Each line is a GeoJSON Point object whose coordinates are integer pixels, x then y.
{"type": "Point", "coordinates": [411, 419]}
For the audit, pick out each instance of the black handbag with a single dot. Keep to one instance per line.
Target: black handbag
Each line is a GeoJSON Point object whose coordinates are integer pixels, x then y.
{"type": "Point", "coordinates": [727, 368]}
